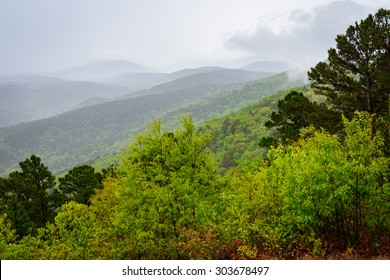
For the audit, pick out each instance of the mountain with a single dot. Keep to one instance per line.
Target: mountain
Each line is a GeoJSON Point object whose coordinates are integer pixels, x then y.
{"type": "Point", "coordinates": [201, 78]}
{"type": "Point", "coordinates": [81, 135]}
{"type": "Point", "coordinates": [97, 71]}
{"type": "Point", "coordinates": [268, 66]}
{"type": "Point", "coordinates": [188, 72]}
{"type": "Point", "coordinates": [147, 80]}
{"type": "Point", "coordinates": [135, 81]}
{"type": "Point", "coordinates": [28, 98]}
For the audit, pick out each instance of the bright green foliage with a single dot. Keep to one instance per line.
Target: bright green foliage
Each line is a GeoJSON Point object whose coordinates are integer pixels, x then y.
{"type": "Point", "coordinates": [254, 204]}
{"type": "Point", "coordinates": [7, 234]}
{"type": "Point", "coordinates": [168, 185]}
{"type": "Point", "coordinates": [73, 232]}
{"type": "Point", "coordinates": [80, 183]}
{"type": "Point", "coordinates": [316, 194]}
{"type": "Point", "coordinates": [371, 185]}
{"type": "Point", "coordinates": [321, 193]}
{"type": "Point", "coordinates": [71, 236]}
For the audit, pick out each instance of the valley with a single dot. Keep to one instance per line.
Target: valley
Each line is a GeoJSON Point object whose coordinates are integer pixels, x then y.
{"type": "Point", "coordinates": [106, 115]}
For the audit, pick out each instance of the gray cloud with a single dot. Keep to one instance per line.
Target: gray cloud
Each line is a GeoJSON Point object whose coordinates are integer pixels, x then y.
{"type": "Point", "coordinates": [47, 35]}
{"type": "Point", "coordinates": [306, 36]}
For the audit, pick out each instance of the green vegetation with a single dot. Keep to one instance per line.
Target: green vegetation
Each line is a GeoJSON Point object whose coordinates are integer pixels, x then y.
{"type": "Point", "coordinates": [82, 135]}
{"type": "Point", "coordinates": [80, 183]}
{"type": "Point", "coordinates": [295, 112]}
{"type": "Point", "coordinates": [321, 190]}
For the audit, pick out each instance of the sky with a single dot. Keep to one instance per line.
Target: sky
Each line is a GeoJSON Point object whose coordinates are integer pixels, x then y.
{"type": "Point", "coordinates": [41, 36]}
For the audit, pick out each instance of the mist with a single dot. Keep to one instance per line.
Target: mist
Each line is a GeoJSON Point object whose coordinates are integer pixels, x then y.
{"type": "Point", "coordinates": [45, 36]}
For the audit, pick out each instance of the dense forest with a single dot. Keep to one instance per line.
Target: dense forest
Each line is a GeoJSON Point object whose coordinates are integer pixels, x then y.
{"type": "Point", "coordinates": [302, 174]}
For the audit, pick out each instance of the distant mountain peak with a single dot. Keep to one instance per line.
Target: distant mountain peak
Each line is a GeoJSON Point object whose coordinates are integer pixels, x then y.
{"type": "Point", "coordinates": [101, 69]}
{"type": "Point", "coordinates": [117, 65]}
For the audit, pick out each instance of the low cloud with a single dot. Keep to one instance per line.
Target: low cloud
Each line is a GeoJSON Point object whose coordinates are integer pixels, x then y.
{"type": "Point", "coordinates": [301, 37]}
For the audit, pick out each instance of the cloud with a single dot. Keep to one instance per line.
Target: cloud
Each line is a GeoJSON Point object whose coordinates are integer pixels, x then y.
{"type": "Point", "coordinates": [302, 37]}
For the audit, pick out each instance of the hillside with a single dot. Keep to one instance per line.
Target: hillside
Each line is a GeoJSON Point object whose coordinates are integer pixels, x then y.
{"type": "Point", "coordinates": [28, 98]}
{"type": "Point", "coordinates": [87, 133]}
{"type": "Point", "coordinates": [236, 123]}
{"type": "Point", "coordinates": [235, 136]}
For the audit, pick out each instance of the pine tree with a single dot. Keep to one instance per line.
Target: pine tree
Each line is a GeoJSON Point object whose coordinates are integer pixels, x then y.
{"type": "Point", "coordinates": [355, 77]}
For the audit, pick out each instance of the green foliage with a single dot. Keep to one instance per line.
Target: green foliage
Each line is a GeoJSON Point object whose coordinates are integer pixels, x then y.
{"type": "Point", "coordinates": [80, 183]}
{"type": "Point", "coordinates": [7, 234]}
{"type": "Point", "coordinates": [295, 113]}
{"type": "Point", "coordinates": [354, 76]}
{"type": "Point", "coordinates": [168, 184]}
{"type": "Point", "coordinates": [90, 133]}
{"type": "Point", "coordinates": [235, 136]}
{"type": "Point", "coordinates": [315, 194]}
{"type": "Point", "coordinates": [73, 232]}
{"type": "Point", "coordinates": [321, 194]}
{"type": "Point", "coordinates": [166, 201]}
{"type": "Point", "coordinates": [29, 197]}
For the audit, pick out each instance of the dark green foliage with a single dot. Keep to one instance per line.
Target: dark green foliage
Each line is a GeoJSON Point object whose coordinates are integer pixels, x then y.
{"type": "Point", "coordinates": [296, 112]}
{"type": "Point", "coordinates": [80, 183]}
{"type": "Point", "coordinates": [29, 196]}
{"type": "Point", "coordinates": [354, 78]}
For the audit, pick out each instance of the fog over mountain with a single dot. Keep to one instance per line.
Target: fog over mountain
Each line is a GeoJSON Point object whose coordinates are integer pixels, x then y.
{"type": "Point", "coordinates": [27, 98]}
{"type": "Point", "coordinates": [45, 36]}
{"type": "Point", "coordinates": [99, 70]}
{"type": "Point", "coordinates": [96, 130]}
{"type": "Point", "coordinates": [268, 66]}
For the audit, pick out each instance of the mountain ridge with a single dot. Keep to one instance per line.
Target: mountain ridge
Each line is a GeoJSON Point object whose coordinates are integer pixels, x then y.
{"type": "Point", "coordinates": [81, 135]}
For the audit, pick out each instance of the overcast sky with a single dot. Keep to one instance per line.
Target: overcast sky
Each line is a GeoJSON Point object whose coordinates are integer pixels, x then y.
{"type": "Point", "coordinates": [50, 35]}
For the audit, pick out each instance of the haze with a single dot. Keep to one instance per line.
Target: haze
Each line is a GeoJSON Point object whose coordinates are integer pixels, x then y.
{"type": "Point", "coordinates": [43, 36]}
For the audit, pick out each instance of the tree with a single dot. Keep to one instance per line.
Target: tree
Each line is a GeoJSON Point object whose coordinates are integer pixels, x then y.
{"type": "Point", "coordinates": [355, 77]}
{"type": "Point", "coordinates": [80, 183]}
{"type": "Point", "coordinates": [30, 198]}
{"type": "Point", "coordinates": [168, 186]}
{"type": "Point", "coordinates": [296, 112]}
{"type": "Point", "coordinates": [335, 192]}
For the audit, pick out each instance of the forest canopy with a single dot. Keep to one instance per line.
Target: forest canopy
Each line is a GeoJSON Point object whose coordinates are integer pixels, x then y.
{"type": "Point", "coordinates": [320, 189]}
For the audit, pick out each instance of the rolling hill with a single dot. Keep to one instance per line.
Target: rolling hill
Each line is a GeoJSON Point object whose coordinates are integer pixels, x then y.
{"type": "Point", "coordinates": [78, 136]}
{"type": "Point", "coordinates": [33, 97]}
{"type": "Point", "coordinates": [28, 98]}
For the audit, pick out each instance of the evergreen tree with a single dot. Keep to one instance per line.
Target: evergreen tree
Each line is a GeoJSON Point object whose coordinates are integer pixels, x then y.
{"type": "Point", "coordinates": [355, 77]}
{"type": "Point", "coordinates": [80, 183]}
{"type": "Point", "coordinates": [29, 196]}
{"type": "Point", "coordinates": [296, 112]}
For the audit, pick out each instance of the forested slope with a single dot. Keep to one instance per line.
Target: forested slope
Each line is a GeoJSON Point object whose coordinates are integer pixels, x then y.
{"type": "Point", "coordinates": [87, 133]}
